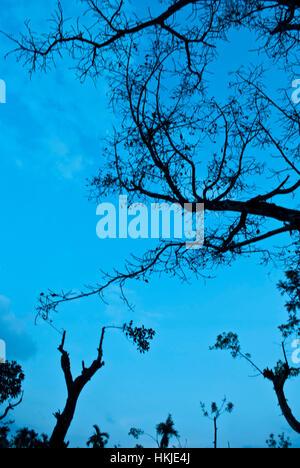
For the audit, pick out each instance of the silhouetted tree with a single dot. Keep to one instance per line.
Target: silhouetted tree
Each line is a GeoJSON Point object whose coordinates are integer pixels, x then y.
{"type": "Point", "coordinates": [11, 378]}
{"type": "Point", "coordinates": [99, 439]}
{"type": "Point", "coordinates": [165, 430]}
{"type": "Point", "coordinates": [281, 443]}
{"type": "Point", "coordinates": [278, 376]}
{"type": "Point", "coordinates": [277, 22]}
{"type": "Point", "coordinates": [136, 433]}
{"type": "Point", "coordinates": [215, 413]}
{"type": "Point", "coordinates": [139, 335]}
{"type": "Point", "coordinates": [282, 371]}
{"type": "Point", "coordinates": [291, 287]}
{"type": "Point", "coordinates": [29, 439]}
{"type": "Point", "coordinates": [4, 442]}
{"type": "Point", "coordinates": [23, 438]}
{"type": "Point", "coordinates": [158, 69]}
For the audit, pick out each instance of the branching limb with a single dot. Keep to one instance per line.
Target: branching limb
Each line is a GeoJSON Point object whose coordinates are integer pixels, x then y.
{"type": "Point", "coordinates": [11, 406]}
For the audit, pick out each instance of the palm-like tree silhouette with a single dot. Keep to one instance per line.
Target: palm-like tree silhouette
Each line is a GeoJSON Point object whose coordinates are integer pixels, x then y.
{"type": "Point", "coordinates": [99, 439]}
{"type": "Point", "coordinates": [167, 431]}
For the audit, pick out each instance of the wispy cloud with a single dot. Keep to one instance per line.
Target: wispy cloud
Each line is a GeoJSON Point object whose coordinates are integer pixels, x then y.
{"type": "Point", "coordinates": [19, 344]}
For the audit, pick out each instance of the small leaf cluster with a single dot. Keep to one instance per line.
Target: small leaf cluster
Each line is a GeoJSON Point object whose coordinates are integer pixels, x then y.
{"type": "Point", "coordinates": [141, 336]}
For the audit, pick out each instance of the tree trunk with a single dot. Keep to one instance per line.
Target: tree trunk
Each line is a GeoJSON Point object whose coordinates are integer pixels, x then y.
{"type": "Point", "coordinates": [286, 410]}
{"type": "Point", "coordinates": [64, 420]}
{"type": "Point", "coordinates": [215, 432]}
{"type": "Point", "coordinates": [279, 381]}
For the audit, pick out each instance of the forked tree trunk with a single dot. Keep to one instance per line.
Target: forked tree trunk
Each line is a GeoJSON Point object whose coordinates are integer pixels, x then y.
{"type": "Point", "coordinates": [74, 388]}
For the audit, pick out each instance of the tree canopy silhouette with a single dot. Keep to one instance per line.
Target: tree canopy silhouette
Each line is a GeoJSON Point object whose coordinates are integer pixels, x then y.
{"type": "Point", "coordinates": [164, 431]}
{"type": "Point", "coordinates": [99, 439]}
{"type": "Point", "coordinates": [214, 414]}
{"type": "Point", "coordinates": [11, 378]}
{"type": "Point", "coordinates": [29, 439]}
{"type": "Point", "coordinates": [277, 22]}
{"type": "Point", "coordinates": [175, 141]}
{"type": "Point", "coordinates": [23, 438]}
{"type": "Point", "coordinates": [282, 442]}
{"type": "Point", "coordinates": [282, 372]}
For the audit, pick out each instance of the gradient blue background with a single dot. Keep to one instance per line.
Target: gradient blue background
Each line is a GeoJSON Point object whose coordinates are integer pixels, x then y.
{"type": "Point", "coordinates": [51, 131]}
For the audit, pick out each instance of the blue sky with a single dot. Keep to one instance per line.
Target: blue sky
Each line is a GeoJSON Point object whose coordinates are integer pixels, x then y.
{"type": "Point", "coordinates": [52, 127]}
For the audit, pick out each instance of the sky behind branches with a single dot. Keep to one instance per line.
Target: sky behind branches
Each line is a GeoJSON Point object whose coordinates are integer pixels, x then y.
{"type": "Point", "coordinates": [51, 131]}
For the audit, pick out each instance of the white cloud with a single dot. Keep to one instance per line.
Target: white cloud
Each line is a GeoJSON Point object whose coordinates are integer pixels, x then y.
{"type": "Point", "coordinates": [19, 344]}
